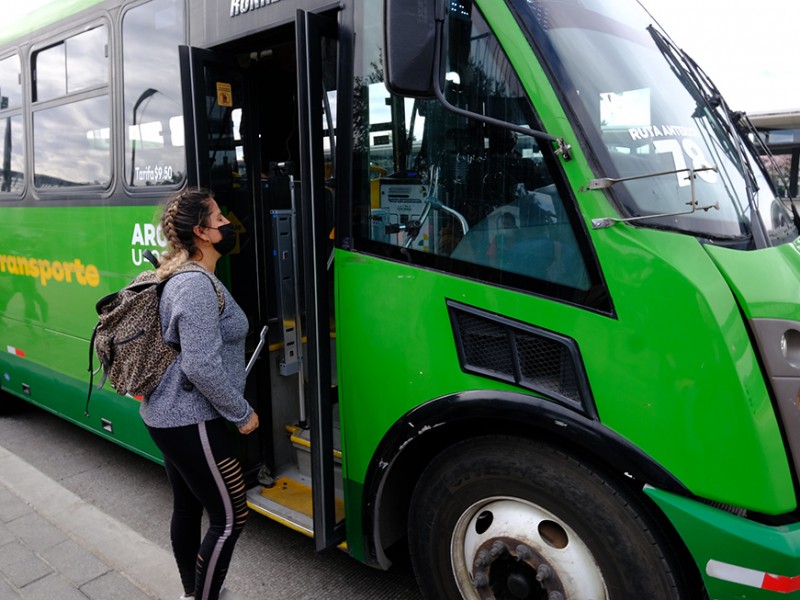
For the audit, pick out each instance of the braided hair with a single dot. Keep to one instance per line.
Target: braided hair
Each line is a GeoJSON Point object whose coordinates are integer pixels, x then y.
{"type": "Point", "coordinates": [181, 214]}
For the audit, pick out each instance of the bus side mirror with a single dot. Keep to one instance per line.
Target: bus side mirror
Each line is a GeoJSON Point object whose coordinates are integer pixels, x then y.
{"type": "Point", "coordinates": [410, 42]}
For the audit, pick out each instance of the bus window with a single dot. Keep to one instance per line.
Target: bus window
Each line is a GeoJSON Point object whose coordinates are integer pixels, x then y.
{"type": "Point", "coordinates": [472, 198]}
{"type": "Point", "coordinates": [63, 133]}
{"type": "Point", "coordinates": [12, 149]}
{"type": "Point", "coordinates": [72, 136]}
{"type": "Point", "coordinates": [10, 85]}
{"type": "Point", "coordinates": [76, 64]}
{"type": "Point", "coordinates": [154, 139]}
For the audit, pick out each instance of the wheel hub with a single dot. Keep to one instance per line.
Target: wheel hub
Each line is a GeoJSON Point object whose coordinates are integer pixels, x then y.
{"type": "Point", "coordinates": [506, 568]}
{"type": "Point", "coordinates": [511, 549]}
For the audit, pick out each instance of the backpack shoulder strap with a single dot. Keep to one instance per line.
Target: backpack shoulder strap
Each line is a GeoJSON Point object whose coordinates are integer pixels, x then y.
{"type": "Point", "coordinates": [140, 283]}
{"type": "Point", "coordinates": [151, 258]}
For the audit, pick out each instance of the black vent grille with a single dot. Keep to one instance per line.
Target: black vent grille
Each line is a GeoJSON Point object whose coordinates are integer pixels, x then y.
{"type": "Point", "coordinates": [493, 346]}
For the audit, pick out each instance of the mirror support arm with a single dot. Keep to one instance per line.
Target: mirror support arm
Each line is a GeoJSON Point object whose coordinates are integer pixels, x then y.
{"type": "Point", "coordinates": [561, 147]}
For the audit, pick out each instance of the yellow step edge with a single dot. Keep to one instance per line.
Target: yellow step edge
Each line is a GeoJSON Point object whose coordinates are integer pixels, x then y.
{"type": "Point", "coordinates": [300, 441]}
{"type": "Point", "coordinates": [297, 497]}
{"type": "Point", "coordinates": [283, 521]}
{"type": "Point", "coordinates": [286, 523]}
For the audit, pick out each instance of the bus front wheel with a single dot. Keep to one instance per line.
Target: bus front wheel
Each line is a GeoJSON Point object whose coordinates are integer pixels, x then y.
{"type": "Point", "coordinates": [508, 518]}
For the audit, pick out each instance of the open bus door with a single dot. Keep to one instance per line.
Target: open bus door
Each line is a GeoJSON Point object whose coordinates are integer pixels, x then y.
{"type": "Point", "coordinates": [317, 68]}
{"type": "Point", "coordinates": [234, 106]}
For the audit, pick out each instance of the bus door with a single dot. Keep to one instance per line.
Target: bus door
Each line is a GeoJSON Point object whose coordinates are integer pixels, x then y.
{"type": "Point", "coordinates": [259, 137]}
{"type": "Point", "coordinates": [317, 62]}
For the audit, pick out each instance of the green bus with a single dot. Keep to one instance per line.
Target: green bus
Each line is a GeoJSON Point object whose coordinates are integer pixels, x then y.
{"type": "Point", "coordinates": [532, 303]}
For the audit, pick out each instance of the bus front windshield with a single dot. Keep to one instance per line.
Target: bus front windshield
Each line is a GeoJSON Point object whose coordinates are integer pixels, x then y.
{"type": "Point", "coordinates": [648, 110]}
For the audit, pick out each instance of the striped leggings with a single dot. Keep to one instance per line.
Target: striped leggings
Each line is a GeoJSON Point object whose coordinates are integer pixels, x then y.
{"type": "Point", "coordinates": [204, 474]}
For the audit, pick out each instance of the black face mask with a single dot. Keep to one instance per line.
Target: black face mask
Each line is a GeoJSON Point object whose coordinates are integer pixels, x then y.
{"type": "Point", "coordinates": [228, 241]}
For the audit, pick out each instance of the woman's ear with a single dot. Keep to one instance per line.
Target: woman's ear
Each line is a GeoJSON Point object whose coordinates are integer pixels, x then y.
{"type": "Point", "coordinates": [198, 232]}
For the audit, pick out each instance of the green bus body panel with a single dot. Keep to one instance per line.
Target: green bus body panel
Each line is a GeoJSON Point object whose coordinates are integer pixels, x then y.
{"type": "Point", "coordinates": [695, 398]}
{"type": "Point", "coordinates": [767, 283]}
{"type": "Point", "coordinates": [713, 534]}
{"type": "Point", "coordinates": [66, 397]}
{"type": "Point", "coordinates": [44, 14]}
{"type": "Point", "coordinates": [674, 373]}
{"type": "Point", "coordinates": [55, 263]}
{"type": "Point", "coordinates": [679, 346]}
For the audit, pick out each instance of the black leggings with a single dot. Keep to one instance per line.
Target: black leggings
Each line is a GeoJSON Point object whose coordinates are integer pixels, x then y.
{"type": "Point", "coordinates": [204, 473]}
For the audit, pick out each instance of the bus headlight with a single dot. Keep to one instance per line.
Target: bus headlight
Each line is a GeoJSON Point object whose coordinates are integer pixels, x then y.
{"type": "Point", "coordinates": [790, 347]}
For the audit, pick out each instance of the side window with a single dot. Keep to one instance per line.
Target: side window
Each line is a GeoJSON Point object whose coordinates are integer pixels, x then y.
{"type": "Point", "coordinates": [154, 137]}
{"type": "Point", "coordinates": [76, 64]}
{"type": "Point", "coordinates": [12, 154]}
{"type": "Point", "coordinates": [51, 80]}
{"type": "Point", "coordinates": [468, 197]}
{"type": "Point", "coordinates": [72, 112]}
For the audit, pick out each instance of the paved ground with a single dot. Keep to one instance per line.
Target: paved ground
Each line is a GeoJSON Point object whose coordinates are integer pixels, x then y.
{"type": "Point", "coordinates": [53, 545]}
{"type": "Point", "coordinates": [82, 518]}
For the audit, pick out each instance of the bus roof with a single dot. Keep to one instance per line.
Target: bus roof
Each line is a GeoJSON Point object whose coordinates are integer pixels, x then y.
{"type": "Point", "coordinates": [22, 18]}
{"type": "Point", "coordinates": [776, 119]}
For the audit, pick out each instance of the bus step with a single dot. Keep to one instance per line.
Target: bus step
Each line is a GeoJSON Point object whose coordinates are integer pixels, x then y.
{"type": "Point", "coordinates": [301, 441]}
{"type": "Point", "coordinates": [290, 503]}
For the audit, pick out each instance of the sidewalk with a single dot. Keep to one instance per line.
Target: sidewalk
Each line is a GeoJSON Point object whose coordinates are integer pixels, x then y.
{"type": "Point", "coordinates": [53, 545]}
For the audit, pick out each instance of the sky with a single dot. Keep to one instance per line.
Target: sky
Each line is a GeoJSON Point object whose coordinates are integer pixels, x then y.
{"type": "Point", "coordinates": [746, 49]}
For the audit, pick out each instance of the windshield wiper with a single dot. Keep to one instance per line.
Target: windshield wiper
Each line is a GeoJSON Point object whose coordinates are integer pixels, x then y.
{"type": "Point", "coordinates": [703, 90]}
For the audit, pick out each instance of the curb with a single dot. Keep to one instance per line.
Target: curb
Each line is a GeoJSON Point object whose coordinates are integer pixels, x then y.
{"type": "Point", "coordinates": [144, 563]}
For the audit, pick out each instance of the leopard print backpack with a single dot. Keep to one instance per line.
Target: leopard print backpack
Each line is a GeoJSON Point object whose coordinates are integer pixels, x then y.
{"type": "Point", "coordinates": [127, 337]}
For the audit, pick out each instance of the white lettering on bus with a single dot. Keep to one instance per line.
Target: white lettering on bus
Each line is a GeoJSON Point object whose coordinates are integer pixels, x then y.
{"type": "Point", "coordinates": [153, 173]}
{"type": "Point", "coordinates": [138, 259]}
{"type": "Point", "coordinates": [654, 131]}
{"type": "Point", "coordinates": [146, 236]}
{"type": "Point", "coordinates": [239, 7]}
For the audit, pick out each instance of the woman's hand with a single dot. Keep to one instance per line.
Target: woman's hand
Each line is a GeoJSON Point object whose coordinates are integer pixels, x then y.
{"type": "Point", "coordinates": [250, 426]}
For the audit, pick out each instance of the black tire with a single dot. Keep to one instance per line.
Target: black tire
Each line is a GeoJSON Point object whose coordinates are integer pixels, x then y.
{"type": "Point", "coordinates": [488, 512]}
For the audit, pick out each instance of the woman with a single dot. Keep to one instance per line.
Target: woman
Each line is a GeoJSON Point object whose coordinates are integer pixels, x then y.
{"type": "Point", "coordinates": [202, 389]}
